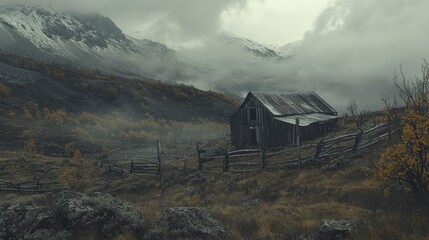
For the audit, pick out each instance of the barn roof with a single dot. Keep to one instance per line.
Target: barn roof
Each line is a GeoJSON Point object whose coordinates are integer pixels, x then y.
{"type": "Point", "coordinates": [284, 104]}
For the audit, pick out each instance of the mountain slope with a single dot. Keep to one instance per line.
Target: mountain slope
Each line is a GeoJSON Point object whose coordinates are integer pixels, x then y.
{"type": "Point", "coordinates": [95, 42]}
{"type": "Point", "coordinates": [55, 105]}
{"type": "Point", "coordinates": [90, 41]}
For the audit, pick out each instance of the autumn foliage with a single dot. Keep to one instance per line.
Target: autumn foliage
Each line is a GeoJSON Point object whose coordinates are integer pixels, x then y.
{"type": "Point", "coordinates": [78, 175]}
{"type": "Point", "coordinates": [408, 161]}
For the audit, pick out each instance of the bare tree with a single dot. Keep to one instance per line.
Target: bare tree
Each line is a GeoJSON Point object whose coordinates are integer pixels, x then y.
{"type": "Point", "coordinates": [352, 107]}
{"type": "Point", "coordinates": [407, 162]}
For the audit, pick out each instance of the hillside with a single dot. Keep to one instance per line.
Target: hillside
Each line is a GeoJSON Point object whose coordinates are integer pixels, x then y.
{"type": "Point", "coordinates": [36, 96]}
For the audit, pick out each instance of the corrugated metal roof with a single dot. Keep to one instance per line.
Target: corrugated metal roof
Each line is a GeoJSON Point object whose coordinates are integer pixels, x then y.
{"type": "Point", "coordinates": [307, 119]}
{"type": "Point", "coordinates": [294, 103]}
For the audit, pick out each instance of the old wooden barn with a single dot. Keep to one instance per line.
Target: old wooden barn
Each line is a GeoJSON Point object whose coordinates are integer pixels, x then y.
{"type": "Point", "coordinates": [268, 120]}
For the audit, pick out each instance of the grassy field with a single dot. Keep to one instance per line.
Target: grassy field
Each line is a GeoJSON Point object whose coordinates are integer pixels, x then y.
{"type": "Point", "coordinates": [268, 204]}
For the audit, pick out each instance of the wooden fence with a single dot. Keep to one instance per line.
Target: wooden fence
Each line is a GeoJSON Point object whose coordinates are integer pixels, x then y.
{"type": "Point", "coordinates": [28, 187]}
{"type": "Point", "coordinates": [112, 170]}
{"type": "Point", "coordinates": [220, 160]}
{"type": "Point", "coordinates": [154, 168]}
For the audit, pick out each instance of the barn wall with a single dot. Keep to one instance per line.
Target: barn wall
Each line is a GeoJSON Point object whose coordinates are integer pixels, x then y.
{"type": "Point", "coordinates": [271, 132]}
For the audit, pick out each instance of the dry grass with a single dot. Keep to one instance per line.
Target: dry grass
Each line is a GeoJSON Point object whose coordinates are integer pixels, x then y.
{"type": "Point", "coordinates": [272, 204]}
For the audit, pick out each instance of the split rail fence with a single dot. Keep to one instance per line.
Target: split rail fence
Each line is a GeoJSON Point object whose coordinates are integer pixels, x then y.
{"type": "Point", "coordinates": [28, 187]}
{"type": "Point", "coordinates": [153, 168]}
{"type": "Point", "coordinates": [220, 160]}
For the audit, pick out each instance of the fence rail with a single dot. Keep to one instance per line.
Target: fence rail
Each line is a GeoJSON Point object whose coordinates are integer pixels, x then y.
{"type": "Point", "coordinates": [28, 187]}
{"type": "Point", "coordinates": [220, 160]}
{"type": "Point", "coordinates": [152, 168]}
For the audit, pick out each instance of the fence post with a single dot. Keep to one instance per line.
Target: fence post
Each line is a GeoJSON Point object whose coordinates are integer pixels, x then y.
{"type": "Point", "coordinates": [226, 161]}
{"type": "Point", "coordinates": [357, 141]}
{"type": "Point", "coordinates": [262, 152]}
{"type": "Point", "coordinates": [161, 178]}
{"type": "Point", "coordinates": [200, 166]}
{"type": "Point", "coordinates": [389, 126]}
{"type": "Point", "coordinates": [298, 142]}
{"type": "Point", "coordinates": [132, 164]}
{"type": "Point", "coordinates": [318, 149]}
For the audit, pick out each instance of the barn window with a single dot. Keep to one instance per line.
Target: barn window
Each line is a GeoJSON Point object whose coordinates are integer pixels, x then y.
{"type": "Point", "coordinates": [252, 113]}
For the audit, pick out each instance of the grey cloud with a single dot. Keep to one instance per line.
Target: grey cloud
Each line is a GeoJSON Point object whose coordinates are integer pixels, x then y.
{"type": "Point", "coordinates": [164, 19]}
{"type": "Point", "coordinates": [356, 44]}
{"type": "Point", "coordinates": [350, 53]}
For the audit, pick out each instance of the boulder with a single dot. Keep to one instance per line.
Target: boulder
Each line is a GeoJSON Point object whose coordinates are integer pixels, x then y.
{"type": "Point", "coordinates": [68, 214]}
{"type": "Point", "coordinates": [191, 223]}
{"type": "Point", "coordinates": [337, 229]}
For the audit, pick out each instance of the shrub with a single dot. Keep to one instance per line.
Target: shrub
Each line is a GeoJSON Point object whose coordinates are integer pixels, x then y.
{"type": "Point", "coordinates": [78, 176]}
{"type": "Point", "coordinates": [11, 115]}
{"type": "Point", "coordinates": [83, 134]}
{"type": "Point", "coordinates": [408, 161]}
{"type": "Point", "coordinates": [112, 92]}
{"type": "Point", "coordinates": [57, 117]}
{"type": "Point", "coordinates": [26, 134]}
{"type": "Point", "coordinates": [30, 146]}
{"type": "Point", "coordinates": [69, 148]}
{"type": "Point", "coordinates": [5, 90]}
{"type": "Point", "coordinates": [33, 107]}
{"type": "Point", "coordinates": [26, 113]}
{"type": "Point", "coordinates": [83, 87]}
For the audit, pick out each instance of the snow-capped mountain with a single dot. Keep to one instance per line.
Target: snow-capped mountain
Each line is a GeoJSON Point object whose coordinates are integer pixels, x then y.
{"type": "Point", "coordinates": [90, 41]}
{"type": "Point", "coordinates": [95, 42]}
{"type": "Point", "coordinates": [286, 50]}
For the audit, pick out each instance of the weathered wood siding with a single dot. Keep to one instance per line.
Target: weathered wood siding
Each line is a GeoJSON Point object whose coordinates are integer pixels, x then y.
{"type": "Point", "coordinates": [270, 132]}
{"type": "Point", "coordinates": [265, 125]}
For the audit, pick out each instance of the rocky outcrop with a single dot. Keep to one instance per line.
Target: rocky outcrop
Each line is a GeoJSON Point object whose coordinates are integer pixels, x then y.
{"type": "Point", "coordinates": [337, 229]}
{"type": "Point", "coordinates": [191, 223]}
{"type": "Point", "coordinates": [68, 214]}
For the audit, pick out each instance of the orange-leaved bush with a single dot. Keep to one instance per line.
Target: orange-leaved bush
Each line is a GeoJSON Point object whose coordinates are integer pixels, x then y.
{"type": "Point", "coordinates": [407, 161]}
{"type": "Point", "coordinates": [78, 175]}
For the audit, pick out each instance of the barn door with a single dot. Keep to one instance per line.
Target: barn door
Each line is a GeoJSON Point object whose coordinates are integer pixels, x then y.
{"type": "Point", "coordinates": [253, 137]}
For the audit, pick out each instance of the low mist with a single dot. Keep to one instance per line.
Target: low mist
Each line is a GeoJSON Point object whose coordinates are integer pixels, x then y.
{"type": "Point", "coordinates": [351, 52]}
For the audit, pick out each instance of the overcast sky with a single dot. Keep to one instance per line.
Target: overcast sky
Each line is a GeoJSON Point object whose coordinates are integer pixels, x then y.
{"type": "Point", "coordinates": [349, 48]}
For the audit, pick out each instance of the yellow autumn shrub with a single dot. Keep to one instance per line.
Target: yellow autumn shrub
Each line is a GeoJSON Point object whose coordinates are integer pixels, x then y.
{"type": "Point", "coordinates": [408, 161]}
{"type": "Point", "coordinates": [79, 174]}
{"type": "Point", "coordinates": [5, 90]}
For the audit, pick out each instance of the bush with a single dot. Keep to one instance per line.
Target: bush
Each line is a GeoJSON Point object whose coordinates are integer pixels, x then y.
{"type": "Point", "coordinates": [11, 115]}
{"type": "Point", "coordinates": [78, 176]}
{"type": "Point", "coordinates": [30, 146]}
{"type": "Point", "coordinates": [83, 87]}
{"type": "Point", "coordinates": [408, 161]}
{"type": "Point", "coordinates": [112, 92]}
{"type": "Point", "coordinates": [5, 90]}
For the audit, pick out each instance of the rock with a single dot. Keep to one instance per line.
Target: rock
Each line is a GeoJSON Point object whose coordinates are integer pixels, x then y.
{"type": "Point", "coordinates": [68, 214]}
{"type": "Point", "coordinates": [251, 202]}
{"type": "Point", "coordinates": [191, 223]}
{"type": "Point", "coordinates": [334, 165]}
{"type": "Point", "coordinates": [337, 229]}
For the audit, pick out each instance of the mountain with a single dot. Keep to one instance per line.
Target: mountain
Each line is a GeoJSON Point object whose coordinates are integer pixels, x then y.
{"type": "Point", "coordinates": [94, 42]}
{"type": "Point", "coordinates": [83, 40]}
{"type": "Point", "coordinates": [286, 50]}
